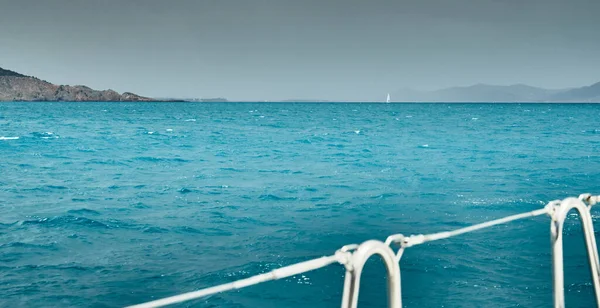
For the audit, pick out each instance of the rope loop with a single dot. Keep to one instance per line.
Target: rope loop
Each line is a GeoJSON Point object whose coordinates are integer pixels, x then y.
{"type": "Point", "coordinates": [589, 200]}
{"type": "Point", "coordinates": [551, 207]}
{"type": "Point", "coordinates": [398, 239]}
{"type": "Point", "coordinates": [344, 256]}
{"type": "Point", "coordinates": [401, 241]}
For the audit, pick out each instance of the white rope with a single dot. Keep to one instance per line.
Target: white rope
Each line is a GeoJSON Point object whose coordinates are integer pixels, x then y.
{"type": "Point", "coordinates": [343, 255]}
{"type": "Point", "coordinates": [421, 238]}
{"type": "Point", "coordinates": [279, 273]}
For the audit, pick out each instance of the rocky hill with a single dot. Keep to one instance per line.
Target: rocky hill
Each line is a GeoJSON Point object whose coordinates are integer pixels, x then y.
{"type": "Point", "coordinates": [18, 87]}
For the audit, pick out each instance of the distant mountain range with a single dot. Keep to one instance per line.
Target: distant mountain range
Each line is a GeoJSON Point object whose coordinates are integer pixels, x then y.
{"type": "Point", "coordinates": [18, 87]}
{"type": "Point", "coordinates": [492, 93]}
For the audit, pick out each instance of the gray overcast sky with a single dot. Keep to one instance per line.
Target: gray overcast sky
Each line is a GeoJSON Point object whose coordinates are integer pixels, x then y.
{"type": "Point", "coordinates": [279, 49]}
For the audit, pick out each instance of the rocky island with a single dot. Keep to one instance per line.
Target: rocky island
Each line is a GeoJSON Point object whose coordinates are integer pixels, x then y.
{"type": "Point", "coordinates": [18, 87]}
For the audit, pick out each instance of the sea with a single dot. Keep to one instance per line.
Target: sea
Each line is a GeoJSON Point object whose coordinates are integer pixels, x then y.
{"type": "Point", "coordinates": [114, 204]}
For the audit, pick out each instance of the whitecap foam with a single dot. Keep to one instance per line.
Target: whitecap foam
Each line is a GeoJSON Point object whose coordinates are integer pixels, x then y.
{"type": "Point", "coordinates": [190, 120]}
{"type": "Point", "coordinates": [48, 135]}
{"type": "Point", "coordinates": [8, 138]}
{"type": "Point", "coordinates": [169, 129]}
{"type": "Point", "coordinates": [357, 132]}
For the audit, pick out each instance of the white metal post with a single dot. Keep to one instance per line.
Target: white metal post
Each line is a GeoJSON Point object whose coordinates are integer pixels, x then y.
{"type": "Point", "coordinates": [559, 214]}
{"type": "Point", "coordinates": [354, 271]}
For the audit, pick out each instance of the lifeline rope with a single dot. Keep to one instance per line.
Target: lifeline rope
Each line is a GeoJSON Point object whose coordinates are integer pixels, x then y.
{"type": "Point", "coordinates": [343, 256]}
{"type": "Point", "coordinates": [414, 240]}
{"type": "Point", "coordinates": [279, 273]}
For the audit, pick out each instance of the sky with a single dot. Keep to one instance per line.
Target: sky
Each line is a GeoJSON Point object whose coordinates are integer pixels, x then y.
{"type": "Point", "coordinates": [303, 49]}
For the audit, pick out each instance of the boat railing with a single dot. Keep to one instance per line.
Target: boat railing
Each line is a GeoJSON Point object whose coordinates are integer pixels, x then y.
{"type": "Point", "coordinates": [353, 257]}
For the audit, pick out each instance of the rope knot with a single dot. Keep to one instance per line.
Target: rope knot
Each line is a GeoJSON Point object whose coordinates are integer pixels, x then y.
{"type": "Point", "coordinates": [344, 256]}
{"type": "Point", "coordinates": [589, 199]}
{"type": "Point", "coordinates": [551, 207]}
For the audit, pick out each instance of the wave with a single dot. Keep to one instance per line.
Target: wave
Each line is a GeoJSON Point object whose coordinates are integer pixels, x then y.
{"type": "Point", "coordinates": [155, 230]}
{"type": "Point", "coordinates": [68, 266]}
{"type": "Point", "coordinates": [185, 190]}
{"type": "Point", "coordinates": [46, 188]}
{"type": "Point", "coordinates": [84, 199]}
{"type": "Point", "coordinates": [83, 211]}
{"type": "Point", "coordinates": [203, 231]}
{"type": "Point", "coordinates": [111, 162]}
{"type": "Point", "coordinates": [71, 221]}
{"type": "Point", "coordinates": [50, 246]}
{"type": "Point", "coordinates": [86, 150]}
{"type": "Point", "coordinates": [9, 138]}
{"type": "Point", "coordinates": [231, 169]}
{"type": "Point", "coordinates": [385, 196]}
{"type": "Point", "coordinates": [270, 197]}
{"type": "Point", "coordinates": [286, 171]}
{"type": "Point", "coordinates": [45, 135]}
{"type": "Point", "coordinates": [161, 159]}
{"type": "Point", "coordinates": [140, 205]}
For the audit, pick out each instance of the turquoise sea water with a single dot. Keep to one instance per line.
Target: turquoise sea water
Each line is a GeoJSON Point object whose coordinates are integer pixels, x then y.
{"type": "Point", "coordinates": [111, 204]}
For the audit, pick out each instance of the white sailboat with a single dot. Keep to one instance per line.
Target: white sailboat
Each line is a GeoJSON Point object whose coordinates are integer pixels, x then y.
{"type": "Point", "coordinates": [388, 98]}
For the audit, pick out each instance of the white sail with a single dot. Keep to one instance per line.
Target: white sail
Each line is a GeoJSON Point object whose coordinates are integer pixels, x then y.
{"type": "Point", "coordinates": [388, 98]}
